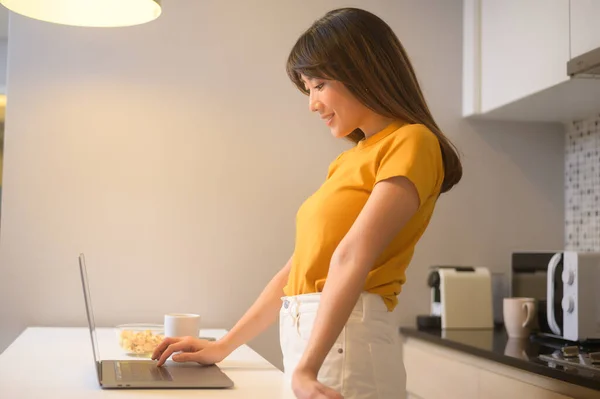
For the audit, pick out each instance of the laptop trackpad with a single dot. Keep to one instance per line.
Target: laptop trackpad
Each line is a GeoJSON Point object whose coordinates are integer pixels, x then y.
{"type": "Point", "coordinates": [136, 371]}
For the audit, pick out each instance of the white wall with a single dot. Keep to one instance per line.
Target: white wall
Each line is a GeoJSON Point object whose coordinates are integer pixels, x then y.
{"type": "Point", "coordinates": [175, 154]}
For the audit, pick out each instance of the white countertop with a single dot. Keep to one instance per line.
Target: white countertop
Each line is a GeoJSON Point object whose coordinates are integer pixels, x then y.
{"type": "Point", "coordinates": [57, 362]}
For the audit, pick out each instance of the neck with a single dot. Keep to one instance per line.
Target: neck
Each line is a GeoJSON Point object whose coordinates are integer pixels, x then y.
{"type": "Point", "coordinates": [374, 124]}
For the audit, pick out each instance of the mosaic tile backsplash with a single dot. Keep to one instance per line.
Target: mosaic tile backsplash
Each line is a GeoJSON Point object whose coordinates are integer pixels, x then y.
{"type": "Point", "coordinates": [582, 181]}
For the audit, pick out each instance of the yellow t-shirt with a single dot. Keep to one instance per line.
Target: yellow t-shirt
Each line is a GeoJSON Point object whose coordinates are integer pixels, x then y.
{"type": "Point", "coordinates": [325, 217]}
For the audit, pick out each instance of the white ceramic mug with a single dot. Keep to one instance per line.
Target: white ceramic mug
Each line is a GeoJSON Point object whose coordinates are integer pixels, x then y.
{"type": "Point", "coordinates": [519, 316]}
{"type": "Point", "coordinates": [182, 325]}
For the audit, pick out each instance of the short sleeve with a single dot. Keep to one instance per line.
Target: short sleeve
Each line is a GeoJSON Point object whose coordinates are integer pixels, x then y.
{"type": "Point", "coordinates": [415, 154]}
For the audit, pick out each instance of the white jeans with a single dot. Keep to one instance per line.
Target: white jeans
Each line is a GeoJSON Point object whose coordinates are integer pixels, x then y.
{"type": "Point", "coordinates": [366, 360]}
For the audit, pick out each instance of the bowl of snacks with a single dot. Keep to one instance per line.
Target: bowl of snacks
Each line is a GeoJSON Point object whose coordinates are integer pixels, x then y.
{"type": "Point", "coordinates": [139, 339]}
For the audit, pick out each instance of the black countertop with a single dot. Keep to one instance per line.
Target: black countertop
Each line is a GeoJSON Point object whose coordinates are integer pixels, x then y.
{"type": "Point", "coordinates": [520, 353]}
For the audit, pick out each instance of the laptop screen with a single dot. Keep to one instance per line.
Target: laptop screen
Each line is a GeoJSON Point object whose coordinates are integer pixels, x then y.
{"type": "Point", "coordinates": [90, 314]}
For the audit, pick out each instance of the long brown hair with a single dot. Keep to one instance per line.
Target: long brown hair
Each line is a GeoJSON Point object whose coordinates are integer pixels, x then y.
{"type": "Point", "coordinates": [358, 49]}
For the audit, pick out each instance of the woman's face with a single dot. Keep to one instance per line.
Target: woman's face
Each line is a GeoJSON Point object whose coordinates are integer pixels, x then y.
{"type": "Point", "coordinates": [336, 106]}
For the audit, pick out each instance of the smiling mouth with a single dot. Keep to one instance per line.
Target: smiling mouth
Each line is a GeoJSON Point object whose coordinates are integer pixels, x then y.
{"type": "Point", "coordinates": [328, 119]}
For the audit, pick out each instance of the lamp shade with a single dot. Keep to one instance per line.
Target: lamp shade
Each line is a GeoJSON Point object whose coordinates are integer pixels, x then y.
{"type": "Point", "coordinates": [94, 13]}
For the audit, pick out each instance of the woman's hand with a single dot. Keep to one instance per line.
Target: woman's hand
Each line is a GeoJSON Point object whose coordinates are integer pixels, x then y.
{"type": "Point", "coordinates": [195, 350]}
{"type": "Point", "coordinates": [306, 386]}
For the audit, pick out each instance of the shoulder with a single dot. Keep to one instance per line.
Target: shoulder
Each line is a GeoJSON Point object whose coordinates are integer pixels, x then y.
{"type": "Point", "coordinates": [410, 141]}
{"type": "Point", "coordinates": [414, 133]}
{"type": "Point", "coordinates": [412, 151]}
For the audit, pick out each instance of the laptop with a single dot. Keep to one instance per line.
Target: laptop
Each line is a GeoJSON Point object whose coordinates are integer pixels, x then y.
{"type": "Point", "coordinates": [123, 374]}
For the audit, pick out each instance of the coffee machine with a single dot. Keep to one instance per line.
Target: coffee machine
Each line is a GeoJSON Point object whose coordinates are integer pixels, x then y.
{"type": "Point", "coordinates": [461, 298]}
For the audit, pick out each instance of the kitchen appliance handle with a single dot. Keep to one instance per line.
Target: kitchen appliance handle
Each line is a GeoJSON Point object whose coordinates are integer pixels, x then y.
{"type": "Point", "coordinates": [554, 261]}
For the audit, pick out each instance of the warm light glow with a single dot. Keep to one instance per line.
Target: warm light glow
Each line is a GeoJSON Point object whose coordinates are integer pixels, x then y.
{"type": "Point", "coordinates": [96, 13]}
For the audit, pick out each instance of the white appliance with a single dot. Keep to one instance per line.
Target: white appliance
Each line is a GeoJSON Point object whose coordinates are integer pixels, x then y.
{"type": "Point", "coordinates": [580, 295]}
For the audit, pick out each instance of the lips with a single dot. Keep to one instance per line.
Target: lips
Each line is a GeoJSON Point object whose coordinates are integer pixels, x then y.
{"type": "Point", "coordinates": [328, 118]}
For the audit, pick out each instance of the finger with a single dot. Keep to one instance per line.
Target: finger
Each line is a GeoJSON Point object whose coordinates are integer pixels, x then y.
{"type": "Point", "coordinates": [188, 357]}
{"type": "Point", "coordinates": [162, 346]}
{"type": "Point", "coordinates": [178, 346]}
{"type": "Point", "coordinates": [329, 393]}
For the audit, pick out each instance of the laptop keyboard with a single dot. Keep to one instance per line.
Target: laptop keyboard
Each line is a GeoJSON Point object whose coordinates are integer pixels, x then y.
{"type": "Point", "coordinates": [140, 372]}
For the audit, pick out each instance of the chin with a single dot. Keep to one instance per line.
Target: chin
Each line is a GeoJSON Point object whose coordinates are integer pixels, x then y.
{"type": "Point", "coordinates": [339, 134]}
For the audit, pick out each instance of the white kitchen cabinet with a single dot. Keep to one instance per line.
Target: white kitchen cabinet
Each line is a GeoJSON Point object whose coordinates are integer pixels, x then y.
{"type": "Point", "coordinates": [496, 386]}
{"type": "Point", "coordinates": [585, 26]}
{"type": "Point", "coordinates": [430, 376]}
{"type": "Point", "coordinates": [524, 48]}
{"type": "Point", "coordinates": [515, 55]}
{"type": "Point", "coordinates": [437, 372]}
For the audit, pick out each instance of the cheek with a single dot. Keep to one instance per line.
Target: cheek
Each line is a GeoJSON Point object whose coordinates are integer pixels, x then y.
{"type": "Point", "coordinates": [350, 112]}
{"type": "Point", "coordinates": [343, 104]}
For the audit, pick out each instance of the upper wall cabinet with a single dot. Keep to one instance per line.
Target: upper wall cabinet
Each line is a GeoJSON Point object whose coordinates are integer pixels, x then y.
{"type": "Point", "coordinates": [515, 60]}
{"type": "Point", "coordinates": [524, 48]}
{"type": "Point", "coordinates": [585, 26]}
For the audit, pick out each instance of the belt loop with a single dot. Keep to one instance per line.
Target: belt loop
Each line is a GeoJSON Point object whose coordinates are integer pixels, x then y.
{"type": "Point", "coordinates": [296, 314]}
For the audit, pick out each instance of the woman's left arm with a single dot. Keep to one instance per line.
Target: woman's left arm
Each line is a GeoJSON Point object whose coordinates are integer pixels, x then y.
{"type": "Point", "coordinates": [390, 206]}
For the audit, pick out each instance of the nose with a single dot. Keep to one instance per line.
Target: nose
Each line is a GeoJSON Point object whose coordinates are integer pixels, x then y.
{"type": "Point", "coordinates": [313, 103]}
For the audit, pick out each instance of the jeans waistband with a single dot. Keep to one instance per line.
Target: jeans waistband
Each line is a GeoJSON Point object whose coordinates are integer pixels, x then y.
{"type": "Point", "coordinates": [367, 303]}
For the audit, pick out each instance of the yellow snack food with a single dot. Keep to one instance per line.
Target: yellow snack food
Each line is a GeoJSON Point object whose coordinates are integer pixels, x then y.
{"type": "Point", "coordinates": [139, 342]}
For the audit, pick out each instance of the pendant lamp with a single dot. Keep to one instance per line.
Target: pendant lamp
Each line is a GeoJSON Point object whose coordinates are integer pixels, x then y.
{"type": "Point", "coordinates": [93, 13]}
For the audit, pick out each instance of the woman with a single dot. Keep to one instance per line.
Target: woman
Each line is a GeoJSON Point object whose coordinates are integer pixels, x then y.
{"type": "Point", "coordinates": [356, 234]}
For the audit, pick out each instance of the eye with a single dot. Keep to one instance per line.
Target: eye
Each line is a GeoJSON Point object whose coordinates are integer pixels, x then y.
{"type": "Point", "coordinates": [319, 86]}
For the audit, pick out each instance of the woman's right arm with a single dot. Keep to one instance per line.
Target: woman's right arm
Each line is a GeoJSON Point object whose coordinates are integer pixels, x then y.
{"type": "Point", "coordinates": [261, 315]}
